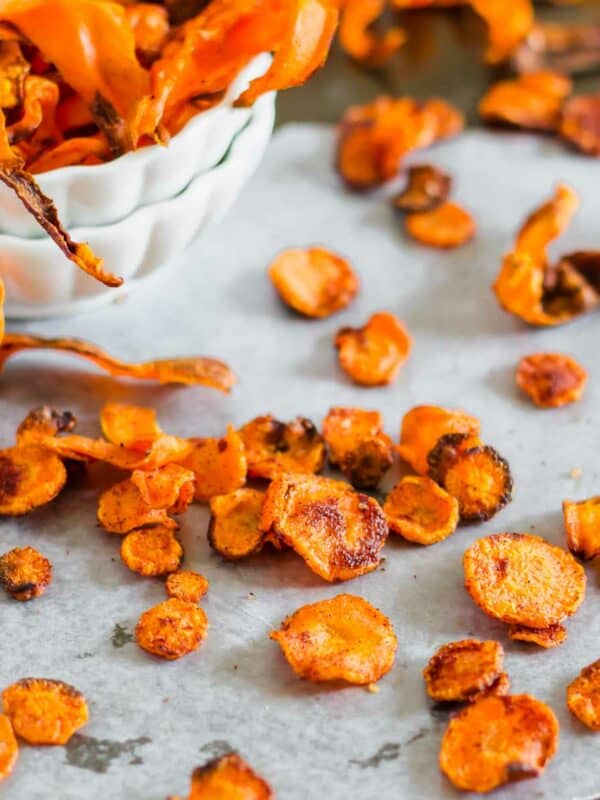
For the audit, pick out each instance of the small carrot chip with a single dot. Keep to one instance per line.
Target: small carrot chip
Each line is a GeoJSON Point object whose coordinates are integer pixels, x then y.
{"type": "Point", "coordinates": [428, 187]}
{"type": "Point", "coordinates": [25, 573]}
{"type": "Point", "coordinates": [30, 477]}
{"type": "Point", "coordinates": [420, 510]}
{"type": "Point", "coordinates": [314, 281]}
{"type": "Point", "coordinates": [445, 226]}
{"type": "Point", "coordinates": [372, 355]}
{"type": "Point", "coordinates": [358, 446]}
{"type": "Point", "coordinates": [523, 580]}
{"type": "Point", "coordinates": [170, 487]}
{"type": "Point", "coordinates": [337, 531]}
{"type": "Point", "coordinates": [533, 101]}
{"type": "Point", "coordinates": [44, 711]}
{"type": "Point", "coordinates": [551, 380]}
{"type": "Point", "coordinates": [228, 777]}
{"type": "Point", "coordinates": [171, 629]}
{"type": "Point", "coordinates": [122, 509]}
{"type": "Point", "coordinates": [583, 696]}
{"type": "Point", "coordinates": [580, 124]}
{"type": "Point", "coordinates": [219, 465]}
{"type": "Point", "coordinates": [234, 530]}
{"type": "Point", "coordinates": [552, 636]}
{"type": "Point", "coordinates": [151, 552]}
{"type": "Point", "coordinates": [423, 427]}
{"type": "Point", "coordinates": [582, 524]}
{"type": "Point", "coordinates": [498, 740]}
{"type": "Point", "coordinates": [273, 447]}
{"type": "Point", "coordinates": [500, 687]}
{"type": "Point", "coordinates": [459, 670]}
{"type": "Point", "coordinates": [341, 639]}
{"type": "Point", "coordinates": [186, 585]}
{"type": "Point", "coordinates": [9, 749]}
{"type": "Point", "coordinates": [127, 425]}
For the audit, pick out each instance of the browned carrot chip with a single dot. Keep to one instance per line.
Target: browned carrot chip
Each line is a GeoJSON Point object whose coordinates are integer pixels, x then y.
{"type": "Point", "coordinates": [228, 776]}
{"type": "Point", "coordinates": [533, 101]}
{"type": "Point", "coordinates": [314, 281]}
{"type": "Point", "coordinates": [420, 510]}
{"type": "Point", "coordinates": [273, 447]}
{"type": "Point", "coordinates": [523, 580]}
{"type": "Point", "coordinates": [427, 188]}
{"type": "Point", "coordinates": [551, 380]}
{"type": "Point", "coordinates": [30, 477]}
{"type": "Point", "coordinates": [582, 524]}
{"type": "Point", "coordinates": [24, 573]}
{"type": "Point", "coordinates": [127, 425]}
{"type": "Point", "coordinates": [44, 711]}
{"type": "Point", "coordinates": [548, 637]}
{"type": "Point", "coordinates": [337, 531]}
{"type": "Point", "coordinates": [498, 740]}
{"type": "Point", "coordinates": [219, 465]}
{"type": "Point", "coordinates": [13, 71]}
{"type": "Point", "coordinates": [9, 749]}
{"type": "Point", "coordinates": [170, 487]}
{"type": "Point", "coordinates": [423, 427]}
{"type": "Point", "coordinates": [44, 421]}
{"type": "Point", "coordinates": [358, 445]}
{"type": "Point", "coordinates": [186, 585]}
{"type": "Point", "coordinates": [580, 124]}
{"type": "Point", "coordinates": [234, 530]}
{"type": "Point", "coordinates": [445, 226]}
{"type": "Point", "coordinates": [122, 509]}
{"type": "Point", "coordinates": [500, 687]}
{"type": "Point", "coordinates": [372, 355]}
{"type": "Point", "coordinates": [171, 629]}
{"type": "Point", "coordinates": [459, 670]}
{"type": "Point", "coordinates": [583, 696]}
{"type": "Point", "coordinates": [152, 551]}
{"type": "Point", "coordinates": [341, 639]}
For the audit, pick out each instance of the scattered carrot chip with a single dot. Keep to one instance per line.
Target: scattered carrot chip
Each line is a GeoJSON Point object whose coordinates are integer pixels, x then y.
{"type": "Point", "coordinates": [9, 749]}
{"type": "Point", "coordinates": [24, 573]}
{"type": "Point", "coordinates": [583, 696]}
{"type": "Point", "coordinates": [273, 447]}
{"type": "Point", "coordinates": [44, 711]}
{"type": "Point", "coordinates": [219, 465]}
{"type": "Point", "coordinates": [122, 509]}
{"type": "Point", "coordinates": [359, 41]}
{"type": "Point", "coordinates": [357, 445]}
{"type": "Point", "coordinates": [127, 425]}
{"type": "Point", "coordinates": [30, 477]}
{"type": "Point", "coordinates": [152, 551]}
{"type": "Point", "coordinates": [427, 188]}
{"type": "Point", "coordinates": [234, 530]}
{"type": "Point", "coordinates": [580, 124]}
{"type": "Point", "coordinates": [170, 487]}
{"type": "Point", "coordinates": [423, 427]}
{"type": "Point", "coordinates": [523, 580]}
{"type": "Point", "coordinates": [420, 510]}
{"type": "Point", "coordinates": [551, 380]}
{"type": "Point", "coordinates": [314, 281]}
{"type": "Point", "coordinates": [552, 636]}
{"type": "Point", "coordinates": [228, 776]}
{"type": "Point", "coordinates": [446, 226]}
{"type": "Point", "coordinates": [372, 355]}
{"type": "Point", "coordinates": [582, 524]}
{"type": "Point", "coordinates": [341, 639]}
{"type": "Point", "coordinates": [459, 670]}
{"type": "Point", "coordinates": [186, 585]}
{"type": "Point", "coordinates": [171, 629]}
{"type": "Point", "coordinates": [44, 421]}
{"type": "Point", "coordinates": [337, 531]}
{"type": "Point", "coordinates": [533, 101]}
{"type": "Point", "coordinates": [498, 740]}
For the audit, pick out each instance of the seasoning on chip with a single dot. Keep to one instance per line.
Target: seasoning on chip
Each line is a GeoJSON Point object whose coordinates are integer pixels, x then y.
{"type": "Point", "coordinates": [552, 636]}
{"type": "Point", "coordinates": [30, 477]}
{"type": "Point", "coordinates": [373, 355]}
{"type": "Point", "coordinates": [273, 447]}
{"type": "Point", "coordinates": [358, 445]}
{"type": "Point", "coordinates": [152, 551]}
{"type": "Point", "coordinates": [459, 670]}
{"type": "Point", "coordinates": [551, 379]}
{"type": "Point", "coordinates": [234, 530]}
{"type": "Point", "coordinates": [421, 511]}
{"type": "Point", "coordinates": [171, 629]}
{"type": "Point", "coordinates": [186, 585]}
{"type": "Point", "coordinates": [24, 573]}
{"type": "Point", "coordinates": [44, 711]}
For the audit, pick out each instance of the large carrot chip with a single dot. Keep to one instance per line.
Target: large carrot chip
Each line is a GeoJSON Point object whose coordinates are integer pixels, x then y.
{"type": "Point", "coordinates": [338, 532]}
{"type": "Point", "coordinates": [13, 71]}
{"type": "Point", "coordinates": [523, 580]}
{"type": "Point", "coordinates": [30, 477]}
{"type": "Point", "coordinates": [219, 465]}
{"type": "Point", "coordinates": [122, 509]}
{"type": "Point", "coordinates": [358, 445]}
{"type": "Point", "coordinates": [126, 425]}
{"type": "Point", "coordinates": [427, 188]}
{"type": "Point", "coordinates": [550, 379]}
{"type": "Point", "coordinates": [580, 124]}
{"type": "Point", "coordinates": [273, 447]}
{"type": "Point", "coordinates": [423, 427]}
{"type": "Point", "coordinates": [583, 696]}
{"type": "Point", "coordinates": [420, 510]}
{"type": "Point", "coordinates": [582, 524]}
{"type": "Point", "coordinates": [234, 530]}
{"type": "Point", "coordinates": [533, 101]}
{"type": "Point", "coordinates": [498, 740]}
{"type": "Point", "coordinates": [549, 637]}
{"type": "Point", "coordinates": [25, 573]}
{"type": "Point", "coordinates": [9, 749]}
{"type": "Point", "coordinates": [172, 629]}
{"type": "Point", "coordinates": [446, 226]}
{"type": "Point", "coordinates": [459, 670]}
{"type": "Point", "coordinates": [359, 41]}
{"type": "Point", "coordinates": [44, 711]}
{"type": "Point", "coordinates": [341, 639]}
{"type": "Point", "coordinates": [170, 487]}
{"type": "Point", "coordinates": [228, 778]}
{"type": "Point", "coordinates": [373, 355]}
{"type": "Point", "coordinates": [152, 551]}
{"type": "Point", "coordinates": [186, 585]}
{"type": "Point", "coordinates": [314, 281]}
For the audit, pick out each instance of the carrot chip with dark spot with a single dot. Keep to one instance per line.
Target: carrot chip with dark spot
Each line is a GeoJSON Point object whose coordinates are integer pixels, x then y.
{"type": "Point", "coordinates": [423, 427]}
{"type": "Point", "coordinates": [421, 511]}
{"type": "Point", "coordinates": [30, 477]}
{"type": "Point", "coordinates": [9, 749]}
{"type": "Point", "coordinates": [186, 585]}
{"type": "Point", "coordinates": [445, 226]}
{"type": "Point", "coordinates": [234, 528]}
{"type": "Point", "coordinates": [44, 711]}
{"type": "Point", "coordinates": [427, 188]}
{"type": "Point", "coordinates": [44, 421]}
{"type": "Point", "coordinates": [549, 637]}
{"type": "Point", "coordinates": [551, 380]}
{"type": "Point", "coordinates": [583, 696]}
{"type": "Point", "coordinates": [532, 101]}
{"type": "Point", "coordinates": [358, 445]}
{"type": "Point", "coordinates": [459, 670]}
{"type": "Point", "coordinates": [152, 551]}
{"type": "Point", "coordinates": [580, 123]}
{"type": "Point", "coordinates": [582, 524]}
{"type": "Point", "coordinates": [273, 447]}
{"type": "Point", "coordinates": [25, 573]}
{"type": "Point", "coordinates": [171, 629]}
{"type": "Point", "coordinates": [228, 776]}
{"type": "Point", "coordinates": [373, 355]}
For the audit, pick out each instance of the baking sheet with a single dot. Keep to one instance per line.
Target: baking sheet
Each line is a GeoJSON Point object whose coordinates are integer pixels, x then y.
{"type": "Point", "coordinates": [153, 721]}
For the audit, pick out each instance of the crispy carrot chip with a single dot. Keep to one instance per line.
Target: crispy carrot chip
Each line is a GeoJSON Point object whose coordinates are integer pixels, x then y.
{"type": "Point", "coordinates": [580, 124]}
{"type": "Point", "coordinates": [551, 380]}
{"type": "Point", "coordinates": [44, 711]}
{"type": "Point", "coordinates": [358, 446]}
{"type": "Point", "coordinates": [445, 226]}
{"type": "Point", "coordinates": [314, 281]}
{"type": "Point", "coordinates": [533, 101]}
{"type": "Point", "coordinates": [523, 580]}
{"type": "Point", "coordinates": [126, 425]}
{"type": "Point", "coordinates": [427, 188]}
{"type": "Point", "coordinates": [186, 585]}
{"type": "Point", "coordinates": [498, 740]}
{"type": "Point", "coordinates": [583, 696]}
{"type": "Point", "coordinates": [234, 530]}
{"type": "Point", "coordinates": [359, 41]}
{"type": "Point", "coordinates": [341, 639]}
{"type": "Point", "coordinates": [459, 670]}
{"type": "Point", "coordinates": [30, 477]}
{"type": "Point", "coordinates": [423, 427]}
{"type": "Point", "coordinates": [171, 629]}
{"type": "Point", "coordinates": [25, 573]}
{"type": "Point", "coordinates": [582, 524]}
{"type": "Point", "coordinates": [219, 465]}
{"type": "Point", "coordinates": [372, 355]}
{"type": "Point", "coordinates": [170, 487]}
{"type": "Point", "coordinates": [420, 510]}
{"type": "Point", "coordinates": [273, 447]}
{"type": "Point", "coordinates": [152, 551]}
{"type": "Point", "coordinates": [338, 532]}
{"type": "Point", "coordinates": [44, 421]}
{"type": "Point", "coordinates": [9, 749]}
{"type": "Point", "coordinates": [548, 637]}
{"type": "Point", "coordinates": [228, 777]}
{"type": "Point", "coordinates": [122, 509]}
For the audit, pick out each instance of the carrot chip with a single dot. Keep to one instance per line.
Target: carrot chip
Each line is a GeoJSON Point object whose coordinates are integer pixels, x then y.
{"type": "Point", "coordinates": [30, 477]}
{"type": "Point", "coordinates": [533, 101]}
{"type": "Point", "coordinates": [551, 380]}
{"type": "Point", "coordinates": [549, 637]}
{"type": "Point", "coordinates": [427, 188]}
{"type": "Point", "coordinates": [580, 124]}
{"type": "Point", "coordinates": [358, 40]}
{"type": "Point", "coordinates": [128, 425]}
{"type": "Point", "coordinates": [582, 524]}
{"type": "Point", "coordinates": [445, 226]}
{"type": "Point", "coordinates": [186, 585]}
{"type": "Point", "coordinates": [44, 421]}
{"type": "Point", "coordinates": [122, 509]}
{"type": "Point", "coordinates": [170, 487]}
{"type": "Point", "coordinates": [25, 573]}
{"type": "Point", "coordinates": [459, 670]}
{"type": "Point", "coordinates": [234, 530]}
{"type": "Point", "coordinates": [228, 776]}
{"type": "Point", "coordinates": [152, 551]}
{"type": "Point", "coordinates": [421, 511]}
{"type": "Point", "coordinates": [9, 749]}
{"type": "Point", "coordinates": [44, 711]}
{"type": "Point", "coordinates": [273, 447]}
{"type": "Point", "coordinates": [218, 464]}
{"type": "Point", "coordinates": [171, 629]}
{"type": "Point", "coordinates": [583, 696]}
{"type": "Point", "coordinates": [373, 355]}
{"type": "Point", "coordinates": [358, 446]}
{"type": "Point", "coordinates": [499, 688]}
{"type": "Point", "coordinates": [423, 427]}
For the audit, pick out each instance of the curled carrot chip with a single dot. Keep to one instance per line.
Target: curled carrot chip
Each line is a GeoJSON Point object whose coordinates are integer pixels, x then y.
{"type": "Point", "coordinates": [359, 41]}
{"type": "Point", "coordinates": [44, 711]}
{"type": "Point", "coordinates": [372, 355]}
{"type": "Point", "coordinates": [423, 427]}
{"type": "Point", "coordinates": [170, 487]}
{"type": "Point", "coordinates": [341, 639]}
{"type": "Point", "coordinates": [234, 530]}
{"type": "Point", "coordinates": [219, 465]}
{"type": "Point", "coordinates": [420, 510]}
{"type": "Point", "coordinates": [122, 509]}
{"type": "Point", "coordinates": [30, 477]}
{"type": "Point", "coordinates": [582, 524]}
{"type": "Point", "coordinates": [533, 101]}
{"type": "Point", "coordinates": [446, 226]}
{"type": "Point", "coordinates": [40, 100]}
{"type": "Point", "coordinates": [551, 380]}
{"type": "Point", "coordinates": [151, 552]}
{"type": "Point", "coordinates": [427, 188]}
{"type": "Point", "coordinates": [523, 580]}
{"type": "Point", "coordinates": [228, 777]}
{"type": "Point", "coordinates": [171, 629]}
{"type": "Point", "coordinates": [13, 71]}
{"type": "Point", "coordinates": [314, 281]}
{"type": "Point", "coordinates": [337, 531]}
{"type": "Point", "coordinates": [186, 585]}
{"type": "Point", "coordinates": [552, 636]}
{"type": "Point", "coordinates": [9, 749]}
{"type": "Point", "coordinates": [583, 696]}
{"type": "Point", "coordinates": [125, 425]}
{"type": "Point", "coordinates": [357, 445]}
{"type": "Point", "coordinates": [580, 124]}
{"type": "Point", "coordinates": [273, 447]}
{"type": "Point", "coordinates": [72, 152]}
{"type": "Point", "coordinates": [498, 740]}
{"type": "Point", "coordinates": [24, 573]}
{"type": "Point", "coordinates": [459, 670]}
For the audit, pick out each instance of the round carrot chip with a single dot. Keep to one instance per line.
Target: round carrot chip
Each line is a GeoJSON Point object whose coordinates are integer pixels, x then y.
{"type": "Point", "coordinates": [152, 551]}
{"type": "Point", "coordinates": [523, 580]}
{"type": "Point", "coordinates": [171, 629]}
{"type": "Point", "coordinates": [423, 427]}
{"type": "Point", "coordinates": [186, 585]}
{"type": "Point", "coordinates": [551, 379]}
{"type": "Point", "coordinates": [428, 187]}
{"type": "Point", "coordinates": [341, 639]}
{"type": "Point", "coordinates": [233, 530]}
{"type": "Point", "coordinates": [459, 670]}
{"type": "Point", "coordinates": [582, 524]}
{"type": "Point", "coordinates": [420, 510]}
{"type": "Point", "coordinates": [446, 226]}
{"type": "Point", "coordinates": [219, 465]}
{"type": "Point", "coordinates": [127, 425]}
{"type": "Point", "coordinates": [358, 446]}
{"type": "Point", "coordinates": [24, 573]}
{"type": "Point", "coordinates": [230, 778]}
{"type": "Point", "coordinates": [44, 711]}
{"type": "Point", "coordinates": [122, 509]}
{"type": "Point", "coordinates": [552, 636]}
{"type": "Point", "coordinates": [583, 696]}
{"type": "Point", "coordinates": [9, 749]}
{"type": "Point", "coordinates": [30, 477]}
{"type": "Point", "coordinates": [273, 447]}
{"type": "Point", "coordinates": [580, 124]}
{"type": "Point", "coordinates": [372, 355]}
{"type": "Point", "coordinates": [314, 281]}
{"type": "Point", "coordinates": [498, 740]}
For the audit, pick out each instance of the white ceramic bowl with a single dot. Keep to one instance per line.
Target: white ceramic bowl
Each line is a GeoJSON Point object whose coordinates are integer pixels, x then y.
{"type": "Point", "coordinates": [41, 282]}
{"type": "Point", "coordinates": [105, 193]}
